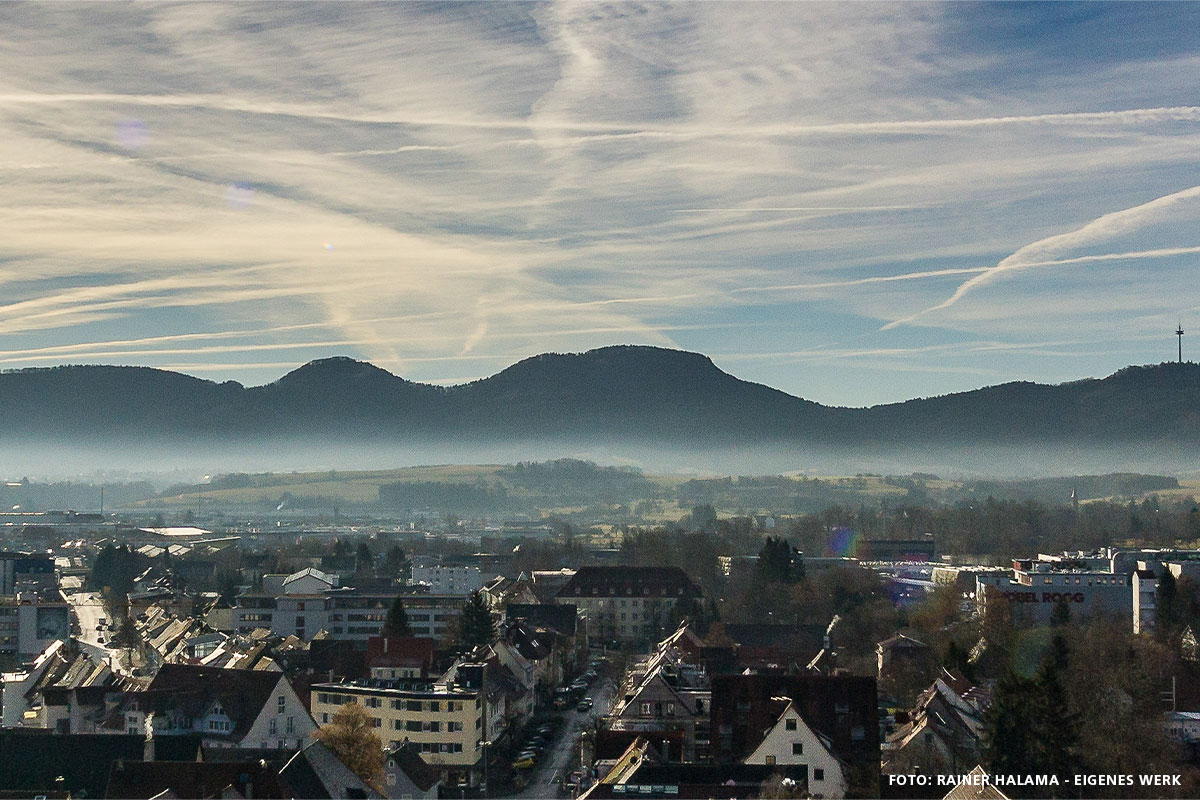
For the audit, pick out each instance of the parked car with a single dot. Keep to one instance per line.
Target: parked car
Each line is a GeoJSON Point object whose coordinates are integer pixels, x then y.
{"type": "Point", "coordinates": [523, 762]}
{"type": "Point", "coordinates": [584, 705]}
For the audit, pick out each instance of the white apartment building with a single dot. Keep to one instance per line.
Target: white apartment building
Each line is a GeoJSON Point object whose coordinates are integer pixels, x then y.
{"type": "Point", "coordinates": [446, 579]}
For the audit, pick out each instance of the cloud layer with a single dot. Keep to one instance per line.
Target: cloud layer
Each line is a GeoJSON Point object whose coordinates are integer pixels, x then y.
{"type": "Point", "coordinates": [852, 202]}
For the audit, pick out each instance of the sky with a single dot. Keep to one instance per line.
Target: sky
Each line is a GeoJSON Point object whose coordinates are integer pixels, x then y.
{"type": "Point", "coordinates": [856, 203]}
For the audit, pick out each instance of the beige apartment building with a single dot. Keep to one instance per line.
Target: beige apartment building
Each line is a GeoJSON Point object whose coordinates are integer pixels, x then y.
{"type": "Point", "coordinates": [444, 721]}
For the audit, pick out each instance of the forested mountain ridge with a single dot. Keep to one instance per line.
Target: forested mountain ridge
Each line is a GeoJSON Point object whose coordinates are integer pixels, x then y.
{"type": "Point", "coordinates": [639, 394]}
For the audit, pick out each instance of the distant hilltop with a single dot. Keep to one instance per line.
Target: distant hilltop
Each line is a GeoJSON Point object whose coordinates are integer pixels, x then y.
{"type": "Point", "coordinates": [632, 396]}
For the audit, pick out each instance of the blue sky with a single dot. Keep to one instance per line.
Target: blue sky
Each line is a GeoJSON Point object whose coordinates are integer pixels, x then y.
{"type": "Point", "coordinates": [856, 203]}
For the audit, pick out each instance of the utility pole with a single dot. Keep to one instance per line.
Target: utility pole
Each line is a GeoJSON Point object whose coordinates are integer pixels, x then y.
{"type": "Point", "coordinates": [1179, 333]}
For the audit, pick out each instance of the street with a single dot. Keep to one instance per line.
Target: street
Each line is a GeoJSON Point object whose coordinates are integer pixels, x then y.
{"type": "Point", "coordinates": [89, 610]}
{"type": "Point", "coordinates": [555, 762]}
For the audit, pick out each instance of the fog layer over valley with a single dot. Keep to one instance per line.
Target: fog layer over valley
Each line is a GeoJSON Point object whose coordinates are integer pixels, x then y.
{"type": "Point", "coordinates": [661, 410]}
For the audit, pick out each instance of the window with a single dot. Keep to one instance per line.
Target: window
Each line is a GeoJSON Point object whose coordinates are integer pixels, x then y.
{"type": "Point", "coordinates": [291, 725]}
{"type": "Point", "coordinates": [413, 725]}
{"type": "Point", "coordinates": [797, 748]}
{"type": "Point", "coordinates": [789, 724]}
{"type": "Point", "coordinates": [818, 774]}
{"type": "Point", "coordinates": [282, 703]}
{"type": "Point", "coordinates": [435, 706]}
{"type": "Point", "coordinates": [412, 705]}
{"type": "Point", "coordinates": [770, 761]}
{"type": "Point", "coordinates": [432, 727]}
{"type": "Point", "coordinates": [376, 722]}
{"type": "Point", "coordinates": [454, 727]}
{"type": "Point", "coordinates": [645, 709]}
{"type": "Point", "coordinates": [324, 719]}
{"type": "Point", "coordinates": [322, 697]}
{"type": "Point", "coordinates": [272, 727]}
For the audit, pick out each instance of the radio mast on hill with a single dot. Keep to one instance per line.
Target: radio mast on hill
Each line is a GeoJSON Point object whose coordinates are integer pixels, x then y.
{"type": "Point", "coordinates": [1179, 333]}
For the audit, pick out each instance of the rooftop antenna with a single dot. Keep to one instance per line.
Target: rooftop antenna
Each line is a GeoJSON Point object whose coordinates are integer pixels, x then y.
{"type": "Point", "coordinates": [1179, 333]}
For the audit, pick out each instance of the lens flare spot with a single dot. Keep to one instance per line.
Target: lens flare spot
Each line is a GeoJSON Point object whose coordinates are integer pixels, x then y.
{"type": "Point", "coordinates": [843, 541]}
{"type": "Point", "coordinates": [328, 246]}
{"type": "Point", "coordinates": [132, 134]}
{"type": "Point", "coordinates": [239, 195]}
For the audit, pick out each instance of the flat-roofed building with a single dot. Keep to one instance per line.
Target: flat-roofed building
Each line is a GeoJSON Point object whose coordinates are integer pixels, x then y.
{"type": "Point", "coordinates": [342, 612]}
{"type": "Point", "coordinates": [1035, 588]}
{"type": "Point", "coordinates": [444, 719]}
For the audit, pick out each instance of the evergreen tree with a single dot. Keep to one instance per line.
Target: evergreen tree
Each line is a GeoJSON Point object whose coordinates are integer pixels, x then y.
{"type": "Point", "coordinates": [1054, 727]}
{"type": "Point", "coordinates": [396, 624]}
{"type": "Point", "coordinates": [1060, 615]}
{"type": "Point", "coordinates": [776, 562]}
{"type": "Point", "coordinates": [395, 559]}
{"type": "Point", "coordinates": [364, 559]}
{"type": "Point", "coordinates": [1008, 735]}
{"type": "Point", "coordinates": [126, 635]}
{"type": "Point", "coordinates": [1029, 728]}
{"type": "Point", "coordinates": [476, 626]}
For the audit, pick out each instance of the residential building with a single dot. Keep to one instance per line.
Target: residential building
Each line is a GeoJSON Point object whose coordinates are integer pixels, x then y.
{"type": "Point", "coordinates": [841, 708]}
{"type": "Point", "coordinates": [31, 620]}
{"type": "Point", "coordinates": [791, 742]}
{"type": "Point", "coordinates": [342, 612]}
{"type": "Point", "coordinates": [444, 718]}
{"type": "Point", "coordinates": [943, 732]}
{"type": "Point", "coordinates": [899, 649]}
{"type": "Point", "coordinates": [315, 773]}
{"type": "Point", "coordinates": [198, 779]}
{"type": "Point", "coordinates": [632, 604]}
{"type": "Point", "coordinates": [1145, 599]}
{"type": "Point", "coordinates": [665, 693]}
{"type": "Point", "coordinates": [226, 707]}
{"type": "Point", "coordinates": [641, 772]}
{"type": "Point", "coordinates": [405, 774]}
{"type": "Point", "coordinates": [446, 579]}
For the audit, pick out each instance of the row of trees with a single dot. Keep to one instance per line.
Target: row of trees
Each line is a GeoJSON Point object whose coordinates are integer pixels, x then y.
{"type": "Point", "coordinates": [1006, 528]}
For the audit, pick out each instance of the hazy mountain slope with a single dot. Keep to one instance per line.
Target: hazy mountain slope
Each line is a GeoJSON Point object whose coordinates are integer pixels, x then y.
{"type": "Point", "coordinates": [642, 395]}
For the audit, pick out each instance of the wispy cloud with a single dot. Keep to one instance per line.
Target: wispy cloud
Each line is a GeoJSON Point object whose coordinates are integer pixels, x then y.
{"type": "Point", "coordinates": [1098, 230]}
{"type": "Point", "coordinates": [424, 186]}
